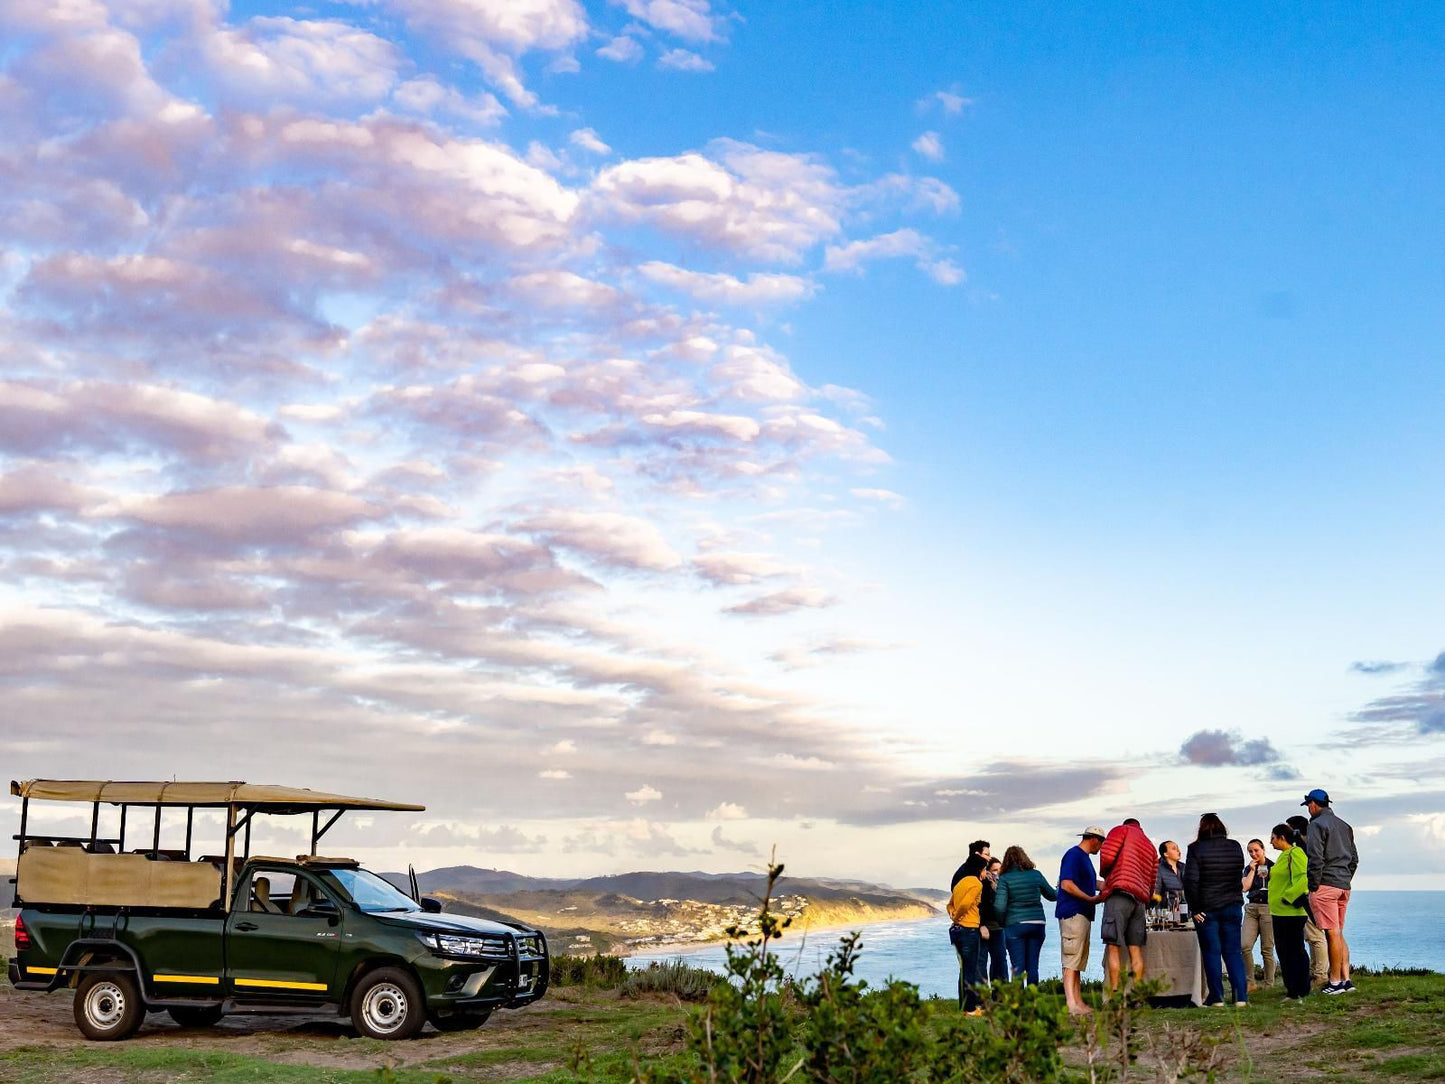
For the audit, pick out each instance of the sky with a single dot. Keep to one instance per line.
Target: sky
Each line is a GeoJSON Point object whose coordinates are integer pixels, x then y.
{"type": "Point", "coordinates": [649, 432]}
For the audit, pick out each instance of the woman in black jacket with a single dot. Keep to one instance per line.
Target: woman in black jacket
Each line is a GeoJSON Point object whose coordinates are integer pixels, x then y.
{"type": "Point", "coordinates": [1212, 887]}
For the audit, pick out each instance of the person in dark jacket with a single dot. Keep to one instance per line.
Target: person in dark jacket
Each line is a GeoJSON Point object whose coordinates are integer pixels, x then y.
{"type": "Point", "coordinates": [1330, 845]}
{"type": "Point", "coordinates": [1314, 936]}
{"type": "Point", "coordinates": [992, 928]}
{"type": "Point", "coordinates": [1216, 900]}
{"type": "Point", "coordinates": [1171, 871]}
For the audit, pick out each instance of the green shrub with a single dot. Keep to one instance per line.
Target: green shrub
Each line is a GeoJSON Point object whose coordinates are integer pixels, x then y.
{"type": "Point", "coordinates": [671, 977]}
{"type": "Point", "coordinates": [1015, 1042]}
{"type": "Point", "coordinates": [600, 972]}
{"type": "Point", "coordinates": [859, 1035]}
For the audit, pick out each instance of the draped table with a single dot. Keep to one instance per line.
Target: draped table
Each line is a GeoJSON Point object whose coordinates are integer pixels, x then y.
{"type": "Point", "coordinates": [1173, 955]}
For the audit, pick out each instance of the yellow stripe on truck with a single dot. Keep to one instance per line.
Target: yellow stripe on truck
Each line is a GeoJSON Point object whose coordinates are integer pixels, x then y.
{"type": "Point", "coordinates": [41, 970]}
{"type": "Point", "coordinates": [274, 985]}
{"type": "Point", "coordinates": [199, 980]}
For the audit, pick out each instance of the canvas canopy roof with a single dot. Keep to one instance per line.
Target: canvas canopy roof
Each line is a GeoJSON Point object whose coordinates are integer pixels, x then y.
{"type": "Point", "coordinates": [261, 797]}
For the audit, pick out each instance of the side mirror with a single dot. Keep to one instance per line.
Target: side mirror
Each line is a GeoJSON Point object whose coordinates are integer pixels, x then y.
{"type": "Point", "coordinates": [322, 909]}
{"type": "Point", "coordinates": [431, 905]}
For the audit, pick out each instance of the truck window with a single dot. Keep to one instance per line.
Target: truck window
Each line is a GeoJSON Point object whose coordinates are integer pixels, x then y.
{"type": "Point", "coordinates": [371, 893]}
{"type": "Point", "coordinates": [271, 892]}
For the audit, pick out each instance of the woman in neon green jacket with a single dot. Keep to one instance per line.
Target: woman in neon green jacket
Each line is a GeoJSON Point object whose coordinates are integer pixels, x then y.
{"type": "Point", "coordinates": [1288, 889]}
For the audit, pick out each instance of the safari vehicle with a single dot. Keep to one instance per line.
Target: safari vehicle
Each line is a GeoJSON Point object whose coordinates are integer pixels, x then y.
{"type": "Point", "coordinates": [154, 929]}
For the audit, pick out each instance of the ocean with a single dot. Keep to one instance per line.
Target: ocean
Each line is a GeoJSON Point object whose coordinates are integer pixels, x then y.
{"type": "Point", "coordinates": [1384, 929]}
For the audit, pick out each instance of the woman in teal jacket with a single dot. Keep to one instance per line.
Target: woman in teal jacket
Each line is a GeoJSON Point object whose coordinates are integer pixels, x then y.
{"type": "Point", "coordinates": [1288, 888]}
{"type": "Point", "coordinates": [1017, 904]}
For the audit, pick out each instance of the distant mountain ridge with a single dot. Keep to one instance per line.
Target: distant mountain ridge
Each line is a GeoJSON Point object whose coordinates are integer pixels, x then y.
{"type": "Point", "coordinates": [645, 909]}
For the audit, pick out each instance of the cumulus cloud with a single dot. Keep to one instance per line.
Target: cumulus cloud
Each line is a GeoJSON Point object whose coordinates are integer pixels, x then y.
{"type": "Point", "coordinates": [949, 101]}
{"type": "Point", "coordinates": [273, 59]}
{"type": "Point", "coordinates": [623, 49]}
{"type": "Point", "coordinates": [901, 243]}
{"type": "Point", "coordinates": [494, 34]}
{"type": "Point", "coordinates": [684, 60]}
{"type": "Point", "coordinates": [343, 408]}
{"type": "Point", "coordinates": [588, 140]}
{"type": "Point", "coordinates": [690, 20]}
{"type": "Point", "coordinates": [1218, 748]}
{"type": "Point", "coordinates": [734, 569]}
{"type": "Point", "coordinates": [608, 537]}
{"type": "Point", "coordinates": [765, 204]}
{"type": "Point", "coordinates": [759, 289]}
{"type": "Point", "coordinates": [787, 601]}
{"type": "Point", "coordinates": [930, 146]}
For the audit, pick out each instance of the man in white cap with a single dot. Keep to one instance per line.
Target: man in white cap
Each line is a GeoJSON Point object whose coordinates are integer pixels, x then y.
{"type": "Point", "coordinates": [1330, 847]}
{"type": "Point", "coordinates": [1078, 893]}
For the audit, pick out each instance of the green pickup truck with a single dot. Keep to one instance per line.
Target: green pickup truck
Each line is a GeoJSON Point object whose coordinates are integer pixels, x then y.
{"type": "Point", "coordinates": [154, 930]}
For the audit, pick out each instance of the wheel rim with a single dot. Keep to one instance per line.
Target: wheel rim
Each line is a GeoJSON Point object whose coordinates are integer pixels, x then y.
{"type": "Point", "coordinates": [105, 1005]}
{"type": "Point", "coordinates": [384, 1007]}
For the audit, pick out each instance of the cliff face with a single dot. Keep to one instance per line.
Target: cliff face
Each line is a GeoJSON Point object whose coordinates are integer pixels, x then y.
{"type": "Point", "coordinates": [825, 914]}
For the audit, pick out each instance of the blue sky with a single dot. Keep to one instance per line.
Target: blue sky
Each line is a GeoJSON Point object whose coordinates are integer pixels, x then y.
{"type": "Point", "coordinates": [857, 429]}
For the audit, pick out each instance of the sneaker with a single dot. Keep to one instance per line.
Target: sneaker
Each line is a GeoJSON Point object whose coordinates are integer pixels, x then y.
{"type": "Point", "coordinates": [1334, 988]}
{"type": "Point", "coordinates": [1348, 986]}
{"type": "Point", "coordinates": [1241, 1004]}
{"type": "Point", "coordinates": [974, 1012]}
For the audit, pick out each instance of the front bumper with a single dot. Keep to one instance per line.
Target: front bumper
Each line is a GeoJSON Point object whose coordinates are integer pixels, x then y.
{"type": "Point", "coordinates": [471, 984]}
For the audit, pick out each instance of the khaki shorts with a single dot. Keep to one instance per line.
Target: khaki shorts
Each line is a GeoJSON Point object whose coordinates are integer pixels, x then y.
{"type": "Point", "coordinates": [1074, 941]}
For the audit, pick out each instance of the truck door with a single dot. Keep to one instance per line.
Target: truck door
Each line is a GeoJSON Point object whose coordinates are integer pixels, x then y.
{"type": "Point", "coordinates": [283, 937]}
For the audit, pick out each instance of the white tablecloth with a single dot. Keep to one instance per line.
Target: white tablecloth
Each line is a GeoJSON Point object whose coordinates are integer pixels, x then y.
{"type": "Point", "coordinates": [1173, 955]}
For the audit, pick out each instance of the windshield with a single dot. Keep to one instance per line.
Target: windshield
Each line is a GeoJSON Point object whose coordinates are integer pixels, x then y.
{"type": "Point", "coordinates": [370, 893]}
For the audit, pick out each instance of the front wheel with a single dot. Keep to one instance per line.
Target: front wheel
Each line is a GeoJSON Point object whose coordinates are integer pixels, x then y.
{"type": "Point", "coordinates": [388, 1004]}
{"type": "Point", "coordinates": [459, 1021]}
{"type": "Point", "coordinates": [197, 1016]}
{"type": "Point", "coordinates": [108, 1006]}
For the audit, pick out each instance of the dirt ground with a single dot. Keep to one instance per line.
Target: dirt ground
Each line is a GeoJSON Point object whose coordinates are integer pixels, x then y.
{"type": "Point", "coordinates": [45, 1020]}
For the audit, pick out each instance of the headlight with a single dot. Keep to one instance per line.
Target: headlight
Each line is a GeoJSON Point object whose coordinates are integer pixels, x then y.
{"type": "Point", "coordinates": [454, 945]}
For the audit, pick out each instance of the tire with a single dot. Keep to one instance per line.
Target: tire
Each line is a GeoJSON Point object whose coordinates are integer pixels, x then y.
{"type": "Point", "coordinates": [459, 1021]}
{"type": "Point", "coordinates": [388, 1004]}
{"type": "Point", "coordinates": [198, 1016]}
{"type": "Point", "coordinates": [108, 1006]}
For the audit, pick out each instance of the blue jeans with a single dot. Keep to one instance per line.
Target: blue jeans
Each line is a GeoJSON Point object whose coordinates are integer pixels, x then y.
{"type": "Point", "coordinates": [1025, 941]}
{"type": "Point", "coordinates": [1219, 936]}
{"type": "Point", "coordinates": [996, 955]}
{"type": "Point", "coordinates": [966, 942]}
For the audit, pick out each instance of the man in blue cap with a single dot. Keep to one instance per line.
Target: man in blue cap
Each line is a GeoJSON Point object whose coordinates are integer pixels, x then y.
{"type": "Point", "coordinates": [1330, 846]}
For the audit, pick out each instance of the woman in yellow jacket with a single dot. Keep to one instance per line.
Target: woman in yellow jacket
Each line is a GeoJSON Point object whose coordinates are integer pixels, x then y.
{"type": "Point", "coordinates": [963, 905]}
{"type": "Point", "coordinates": [1288, 889]}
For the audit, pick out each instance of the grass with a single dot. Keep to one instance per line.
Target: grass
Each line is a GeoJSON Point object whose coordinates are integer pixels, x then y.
{"type": "Point", "coordinates": [1393, 1030]}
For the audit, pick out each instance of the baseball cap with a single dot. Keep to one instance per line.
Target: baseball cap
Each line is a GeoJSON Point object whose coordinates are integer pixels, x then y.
{"type": "Point", "coordinates": [1093, 830]}
{"type": "Point", "coordinates": [1316, 795]}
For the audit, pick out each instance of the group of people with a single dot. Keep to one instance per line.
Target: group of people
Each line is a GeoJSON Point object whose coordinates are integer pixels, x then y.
{"type": "Point", "coordinates": [1296, 899]}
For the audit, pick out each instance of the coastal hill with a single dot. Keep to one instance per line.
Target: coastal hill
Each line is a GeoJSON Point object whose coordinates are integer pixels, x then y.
{"type": "Point", "coordinates": [640, 911]}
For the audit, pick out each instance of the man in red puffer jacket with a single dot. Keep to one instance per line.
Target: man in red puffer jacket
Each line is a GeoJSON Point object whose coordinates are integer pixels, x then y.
{"type": "Point", "coordinates": [1128, 867]}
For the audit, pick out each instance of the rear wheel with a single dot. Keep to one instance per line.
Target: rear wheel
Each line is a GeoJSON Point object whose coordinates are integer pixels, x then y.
{"type": "Point", "coordinates": [197, 1016]}
{"type": "Point", "coordinates": [388, 1004]}
{"type": "Point", "coordinates": [108, 1006]}
{"type": "Point", "coordinates": [459, 1021]}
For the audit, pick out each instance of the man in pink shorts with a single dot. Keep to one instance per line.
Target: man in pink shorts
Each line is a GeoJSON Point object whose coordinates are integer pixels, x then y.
{"type": "Point", "coordinates": [1330, 846]}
